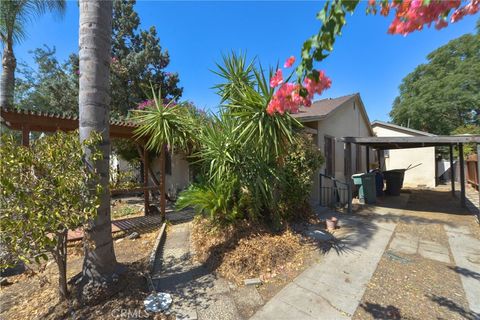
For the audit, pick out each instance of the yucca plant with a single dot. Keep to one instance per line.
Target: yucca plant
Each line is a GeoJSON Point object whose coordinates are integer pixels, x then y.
{"type": "Point", "coordinates": [243, 144]}
{"type": "Point", "coordinates": [245, 95]}
{"type": "Point", "coordinates": [162, 125]}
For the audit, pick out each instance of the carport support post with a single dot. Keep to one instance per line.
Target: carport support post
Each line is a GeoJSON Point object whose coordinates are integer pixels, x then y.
{"type": "Point", "coordinates": [462, 175]}
{"type": "Point", "coordinates": [452, 171]}
{"type": "Point", "coordinates": [348, 173]}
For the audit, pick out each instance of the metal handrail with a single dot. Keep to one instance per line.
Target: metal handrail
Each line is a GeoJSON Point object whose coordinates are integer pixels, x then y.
{"type": "Point", "coordinates": [335, 189]}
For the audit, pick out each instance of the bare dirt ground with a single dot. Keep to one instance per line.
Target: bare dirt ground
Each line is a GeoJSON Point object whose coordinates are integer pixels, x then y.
{"type": "Point", "coordinates": [34, 295]}
{"type": "Point", "coordinates": [411, 286]}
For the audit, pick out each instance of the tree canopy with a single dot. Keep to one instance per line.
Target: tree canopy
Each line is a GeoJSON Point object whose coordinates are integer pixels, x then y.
{"type": "Point", "coordinates": [138, 60]}
{"type": "Point", "coordinates": [444, 93]}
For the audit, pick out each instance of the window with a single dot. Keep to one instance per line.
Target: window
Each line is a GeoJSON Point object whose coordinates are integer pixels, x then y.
{"type": "Point", "coordinates": [329, 156]}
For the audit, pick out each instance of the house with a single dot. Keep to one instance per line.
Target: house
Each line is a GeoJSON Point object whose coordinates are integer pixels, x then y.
{"type": "Point", "coordinates": [329, 120]}
{"type": "Point", "coordinates": [422, 160]}
{"type": "Point", "coordinates": [177, 171]}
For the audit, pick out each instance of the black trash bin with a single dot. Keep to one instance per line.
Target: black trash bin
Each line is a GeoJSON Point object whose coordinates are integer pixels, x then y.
{"type": "Point", "coordinates": [394, 181]}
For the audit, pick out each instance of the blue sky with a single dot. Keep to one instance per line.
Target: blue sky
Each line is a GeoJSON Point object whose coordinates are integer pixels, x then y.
{"type": "Point", "coordinates": [365, 59]}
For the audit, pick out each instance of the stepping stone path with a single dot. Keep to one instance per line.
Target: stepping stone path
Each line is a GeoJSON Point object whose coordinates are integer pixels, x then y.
{"type": "Point", "coordinates": [197, 293]}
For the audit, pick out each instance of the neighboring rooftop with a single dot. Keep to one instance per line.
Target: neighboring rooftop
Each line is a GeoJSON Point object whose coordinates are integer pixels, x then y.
{"type": "Point", "coordinates": [322, 108]}
{"type": "Point", "coordinates": [402, 129]}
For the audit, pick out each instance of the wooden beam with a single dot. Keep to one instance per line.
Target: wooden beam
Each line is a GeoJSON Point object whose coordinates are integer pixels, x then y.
{"type": "Point", "coordinates": [25, 136]}
{"type": "Point", "coordinates": [462, 175]}
{"type": "Point", "coordinates": [348, 162]}
{"type": "Point", "coordinates": [452, 171]}
{"type": "Point", "coordinates": [367, 158]}
{"type": "Point", "coordinates": [162, 181]}
{"type": "Point", "coordinates": [146, 197]}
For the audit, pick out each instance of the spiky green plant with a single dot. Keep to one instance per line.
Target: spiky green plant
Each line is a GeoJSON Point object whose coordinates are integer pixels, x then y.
{"type": "Point", "coordinates": [243, 144]}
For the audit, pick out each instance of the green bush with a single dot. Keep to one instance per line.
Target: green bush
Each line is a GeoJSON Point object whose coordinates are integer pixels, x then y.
{"type": "Point", "coordinates": [43, 195]}
{"type": "Point", "coordinates": [301, 162]}
{"type": "Point", "coordinates": [215, 200]}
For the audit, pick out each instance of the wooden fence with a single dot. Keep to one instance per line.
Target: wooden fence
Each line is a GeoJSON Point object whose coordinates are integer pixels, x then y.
{"type": "Point", "coordinates": [472, 170]}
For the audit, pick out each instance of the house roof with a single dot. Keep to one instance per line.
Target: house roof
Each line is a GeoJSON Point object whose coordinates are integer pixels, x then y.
{"type": "Point", "coordinates": [383, 143]}
{"type": "Point", "coordinates": [322, 108]}
{"type": "Point", "coordinates": [49, 122]}
{"type": "Point", "coordinates": [402, 129]}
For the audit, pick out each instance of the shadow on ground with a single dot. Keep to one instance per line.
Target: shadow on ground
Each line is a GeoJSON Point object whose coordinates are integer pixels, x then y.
{"type": "Point", "coordinates": [452, 306]}
{"type": "Point", "coordinates": [466, 272]}
{"type": "Point", "coordinates": [381, 312]}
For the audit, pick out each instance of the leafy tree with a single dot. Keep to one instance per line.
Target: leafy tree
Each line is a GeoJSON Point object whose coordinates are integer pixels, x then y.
{"type": "Point", "coordinates": [43, 196]}
{"type": "Point", "coordinates": [444, 93]}
{"type": "Point", "coordinates": [51, 83]}
{"type": "Point", "coordinates": [469, 148]}
{"type": "Point", "coordinates": [137, 61]}
{"type": "Point", "coordinates": [14, 16]}
{"type": "Point", "coordinates": [409, 16]}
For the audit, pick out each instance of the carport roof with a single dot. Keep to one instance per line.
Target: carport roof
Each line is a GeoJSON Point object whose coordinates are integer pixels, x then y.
{"type": "Point", "coordinates": [384, 143]}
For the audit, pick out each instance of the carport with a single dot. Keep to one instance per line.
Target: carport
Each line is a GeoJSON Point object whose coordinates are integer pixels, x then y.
{"type": "Point", "coordinates": [388, 143]}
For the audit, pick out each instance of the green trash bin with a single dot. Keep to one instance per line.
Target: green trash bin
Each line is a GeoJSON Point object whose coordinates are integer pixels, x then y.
{"type": "Point", "coordinates": [367, 192]}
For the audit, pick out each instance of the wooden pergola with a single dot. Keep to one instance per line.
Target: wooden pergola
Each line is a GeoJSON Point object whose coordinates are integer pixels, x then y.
{"type": "Point", "coordinates": [27, 121]}
{"type": "Point", "coordinates": [386, 143]}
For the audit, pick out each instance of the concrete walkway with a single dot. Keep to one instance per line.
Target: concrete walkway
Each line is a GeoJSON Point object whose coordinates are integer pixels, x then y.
{"type": "Point", "coordinates": [333, 288]}
{"type": "Point", "coordinates": [197, 293]}
{"type": "Point", "coordinates": [356, 278]}
{"type": "Point", "coordinates": [466, 252]}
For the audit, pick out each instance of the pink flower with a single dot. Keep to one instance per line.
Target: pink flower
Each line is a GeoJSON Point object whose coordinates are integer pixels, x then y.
{"type": "Point", "coordinates": [277, 79]}
{"type": "Point", "coordinates": [145, 104]}
{"type": "Point", "coordinates": [287, 98]}
{"type": "Point", "coordinates": [290, 61]}
{"type": "Point", "coordinates": [441, 24]}
{"type": "Point", "coordinates": [412, 15]}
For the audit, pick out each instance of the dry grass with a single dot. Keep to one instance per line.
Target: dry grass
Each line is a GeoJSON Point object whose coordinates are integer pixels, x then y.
{"type": "Point", "coordinates": [33, 295]}
{"type": "Point", "coordinates": [248, 250]}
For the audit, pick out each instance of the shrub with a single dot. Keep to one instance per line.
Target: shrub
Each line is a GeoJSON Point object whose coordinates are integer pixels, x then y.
{"type": "Point", "coordinates": [301, 162]}
{"type": "Point", "coordinates": [43, 195]}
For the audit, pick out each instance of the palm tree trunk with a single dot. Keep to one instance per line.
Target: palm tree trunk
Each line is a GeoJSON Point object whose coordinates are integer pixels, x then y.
{"type": "Point", "coordinates": [7, 80]}
{"type": "Point", "coordinates": [94, 103]}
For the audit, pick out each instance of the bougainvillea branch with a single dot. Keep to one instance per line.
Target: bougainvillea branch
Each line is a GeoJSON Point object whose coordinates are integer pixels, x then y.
{"type": "Point", "coordinates": [409, 16]}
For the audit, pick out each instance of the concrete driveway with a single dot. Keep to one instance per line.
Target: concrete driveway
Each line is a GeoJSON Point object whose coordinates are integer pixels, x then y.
{"type": "Point", "coordinates": [416, 256]}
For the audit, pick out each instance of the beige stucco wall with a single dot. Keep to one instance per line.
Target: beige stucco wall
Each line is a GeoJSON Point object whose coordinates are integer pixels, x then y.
{"type": "Point", "coordinates": [180, 177]}
{"type": "Point", "coordinates": [424, 174]}
{"type": "Point", "coordinates": [346, 121]}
